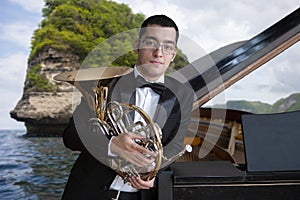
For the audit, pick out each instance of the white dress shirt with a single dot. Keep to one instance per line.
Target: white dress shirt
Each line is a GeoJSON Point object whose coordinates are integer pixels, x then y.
{"type": "Point", "coordinates": [147, 100]}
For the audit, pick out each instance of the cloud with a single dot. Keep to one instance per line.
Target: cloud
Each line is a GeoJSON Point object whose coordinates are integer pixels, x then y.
{"type": "Point", "coordinates": [30, 5]}
{"type": "Point", "coordinates": [286, 71]}
{"type": "Point", "coordinates": [213, 24]}
{"type": "Point", "coordinates": [13, 68]}
{"type": "Point", "coordinates": [276, 79]}
{"type": "Point", "coordinates": [8, 104]}
{"type": "Point", "coordinates": [18, 33]}
{"type": "Point", "coordinates": [12, 77]}
{"type": "Point", "coordinates": [217, 23]}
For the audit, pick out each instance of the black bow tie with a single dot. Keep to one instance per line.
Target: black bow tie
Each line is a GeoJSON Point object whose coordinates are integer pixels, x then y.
{"type": "Point", "coordinates": [156, 87]}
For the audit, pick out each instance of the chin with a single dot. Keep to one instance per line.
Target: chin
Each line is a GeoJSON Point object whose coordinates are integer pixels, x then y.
{"type": "Point", "coordinates": [153, 70]}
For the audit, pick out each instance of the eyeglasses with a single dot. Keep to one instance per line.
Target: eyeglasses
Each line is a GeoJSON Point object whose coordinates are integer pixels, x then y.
{"type": "Point", "coordinates": [152, 45]}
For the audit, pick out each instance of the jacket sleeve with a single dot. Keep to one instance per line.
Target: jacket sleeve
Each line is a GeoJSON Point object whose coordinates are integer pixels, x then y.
{"type": "Point", "coordinates": [78, 137]}
{"type": "Point", "coordinates": [71, 138]}
{"type": "Point", "coordinates": [180, 125]}
{"type": "Point", "coordinates": [79, 120]}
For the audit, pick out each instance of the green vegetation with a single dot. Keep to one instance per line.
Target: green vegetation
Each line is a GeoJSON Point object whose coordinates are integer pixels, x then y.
{"type": "Point", "coordinates": [291, 103]}
{"type": "Point", "coordinates": [78, 26]}
{"type": "Point", "coordinates": [254, 107]}
{"type": "Point", "coordinates": [38, 82]}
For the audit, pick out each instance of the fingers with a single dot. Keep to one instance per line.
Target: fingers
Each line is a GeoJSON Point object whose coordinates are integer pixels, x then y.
{"type": "Point", "coordinates": [144, 151]}
{"type": "Point", "coordinates": [138, 159]}
{"type": "Point", "coordinates": [138, 183]}
{"type": "Point", "coordinates": [140, 148]}
{"type": "Point", "coordinates": [140, 156]}
{"type": "Point", "coordinates": [126, 148]}
{"type": "Point", "coordinates": [135, 136]}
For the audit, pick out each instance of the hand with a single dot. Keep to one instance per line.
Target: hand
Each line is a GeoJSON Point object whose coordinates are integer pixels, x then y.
{"type": "Point", "coordinates": [139, 183]}
{"type": "Point", "coordinates": [126, 148]}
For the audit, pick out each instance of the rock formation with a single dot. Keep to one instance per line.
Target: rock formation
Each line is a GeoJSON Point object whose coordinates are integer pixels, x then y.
{"type": "Point", "coordinates": [46, 105]}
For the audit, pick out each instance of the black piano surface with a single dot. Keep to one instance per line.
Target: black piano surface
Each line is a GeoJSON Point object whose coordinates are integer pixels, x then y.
{"type": "Point", "coordinates": [223, 180]}
{"type": "Point", "coordinates": [271, 171]}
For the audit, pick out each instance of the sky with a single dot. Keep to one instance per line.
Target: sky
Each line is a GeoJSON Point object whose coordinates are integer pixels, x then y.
{"type": "Point", "coordinates": [209, 24]}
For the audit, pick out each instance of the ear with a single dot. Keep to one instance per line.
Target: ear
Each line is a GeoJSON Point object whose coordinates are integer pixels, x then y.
{"type": "Point", "coordinates": [174, 55]}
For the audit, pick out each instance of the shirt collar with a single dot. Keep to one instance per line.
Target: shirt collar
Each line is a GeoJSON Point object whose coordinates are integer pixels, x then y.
{"type": "Point", "coordinates": [161, 79]}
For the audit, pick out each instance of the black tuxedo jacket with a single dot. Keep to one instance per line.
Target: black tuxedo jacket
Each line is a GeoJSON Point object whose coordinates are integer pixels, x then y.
{"type": "Point", "coordinates": [90, 175]}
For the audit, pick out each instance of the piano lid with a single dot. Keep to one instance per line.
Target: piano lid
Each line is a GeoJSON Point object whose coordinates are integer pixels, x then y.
{"type": "Point", "coordinates": [225, 66]}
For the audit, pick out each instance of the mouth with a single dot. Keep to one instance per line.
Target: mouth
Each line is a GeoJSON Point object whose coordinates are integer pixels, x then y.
{"type": "Point", "coordinates": [156, 62]}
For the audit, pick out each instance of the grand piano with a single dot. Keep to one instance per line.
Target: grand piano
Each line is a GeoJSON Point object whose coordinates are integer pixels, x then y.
{"type": "Point", "coordinates": [229, 160]}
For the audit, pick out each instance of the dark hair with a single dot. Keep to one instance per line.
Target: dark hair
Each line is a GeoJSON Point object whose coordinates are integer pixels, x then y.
{"type": "Point", "coordinates": [161, 20]}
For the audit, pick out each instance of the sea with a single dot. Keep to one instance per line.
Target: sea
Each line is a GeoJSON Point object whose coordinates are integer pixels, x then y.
{"type": "Point", "coordinates": [33, 168]}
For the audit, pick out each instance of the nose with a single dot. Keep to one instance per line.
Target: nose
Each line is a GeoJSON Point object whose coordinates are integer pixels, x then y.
{"type": "Point", "coordinates": [158, 51]}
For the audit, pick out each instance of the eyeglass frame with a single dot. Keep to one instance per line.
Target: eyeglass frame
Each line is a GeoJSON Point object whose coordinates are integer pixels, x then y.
{"type": "Point", "coordinates": [158, 45]}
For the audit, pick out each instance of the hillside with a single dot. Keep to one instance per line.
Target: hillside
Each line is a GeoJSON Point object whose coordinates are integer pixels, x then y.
{"type": "Point", "coordinates": [290, 103]}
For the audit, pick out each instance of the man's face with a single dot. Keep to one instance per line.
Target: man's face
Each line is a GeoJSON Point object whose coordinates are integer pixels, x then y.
{"type": "Point", "coordinates": [156, 50]}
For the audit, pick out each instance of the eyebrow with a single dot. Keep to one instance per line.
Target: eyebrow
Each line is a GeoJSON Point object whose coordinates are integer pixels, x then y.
{"type": "Point", "coordinates": [154, 38]}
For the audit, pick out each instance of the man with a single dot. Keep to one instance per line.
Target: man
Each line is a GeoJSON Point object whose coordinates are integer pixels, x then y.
{"type": "Point", "coordinates": [170, 108]}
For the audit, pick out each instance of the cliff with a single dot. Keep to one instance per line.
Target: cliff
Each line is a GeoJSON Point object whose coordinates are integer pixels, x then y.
{"type": "Point", "coordinates": [46, 105]}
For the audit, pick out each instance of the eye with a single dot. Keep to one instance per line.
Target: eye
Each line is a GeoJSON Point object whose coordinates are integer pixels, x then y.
{"type": "Point", "coordinates": [168, 47]}
{"type": "Point", "coordinates": [149, 43]}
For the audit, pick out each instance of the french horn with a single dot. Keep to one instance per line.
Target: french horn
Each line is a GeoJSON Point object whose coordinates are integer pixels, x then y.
{"type": "Point", "coordinates": [113, 118]}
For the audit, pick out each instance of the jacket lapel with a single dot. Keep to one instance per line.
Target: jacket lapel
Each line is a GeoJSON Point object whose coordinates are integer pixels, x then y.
{"type": "Point", "coordinates": [165, 105]}
{"type": "Point", "coordinates": [125, 88]}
